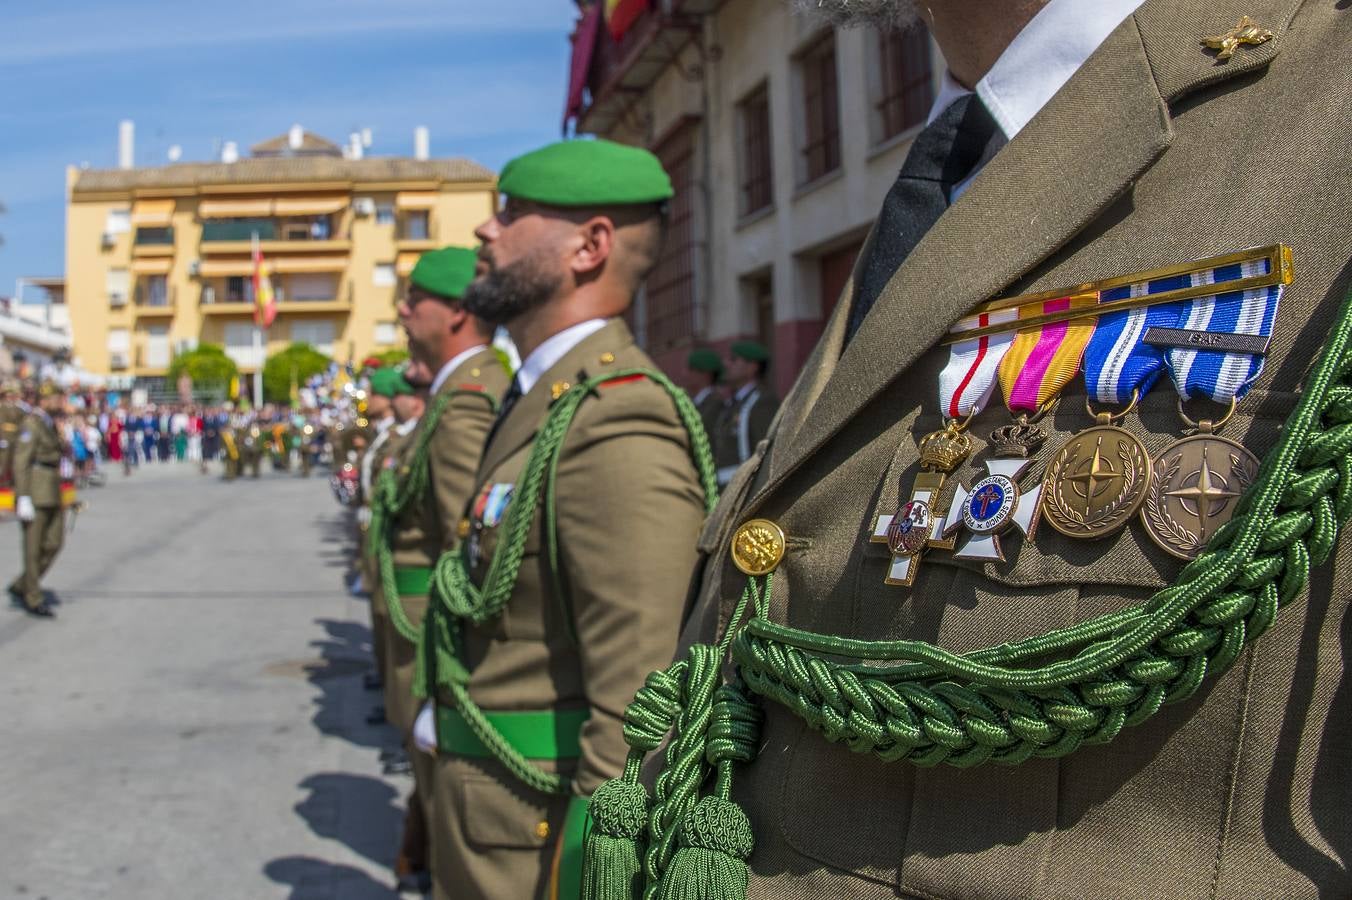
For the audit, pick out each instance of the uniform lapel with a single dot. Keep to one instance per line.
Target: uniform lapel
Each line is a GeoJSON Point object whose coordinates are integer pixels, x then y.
{"type": "Point", "coordinates": [1106, 126]}
{"type": "Point", "coordinates": [528, 414]}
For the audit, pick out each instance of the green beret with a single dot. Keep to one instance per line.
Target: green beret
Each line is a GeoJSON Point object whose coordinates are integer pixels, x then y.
{"type": "Point", "coordinates": [390, 382]}
{"type": "Point", "coordinates": [445, 272]}
{"type": "Point", "coordinates": [705, 360]}
{"type": "Point", "coordinates": [751, 351]}
{"type": "Point", "coordinates": [587, 173]}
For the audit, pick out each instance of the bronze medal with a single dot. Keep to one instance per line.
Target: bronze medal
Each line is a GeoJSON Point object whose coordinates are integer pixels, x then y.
{"type": "Point", "coordinates": [1195, 487]}
{"type": "Point", "coordinates": [1096, 482]}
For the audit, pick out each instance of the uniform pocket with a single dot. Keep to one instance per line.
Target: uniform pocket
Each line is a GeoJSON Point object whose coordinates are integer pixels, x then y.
{"type": "Point", "coordinates": [495, 814]}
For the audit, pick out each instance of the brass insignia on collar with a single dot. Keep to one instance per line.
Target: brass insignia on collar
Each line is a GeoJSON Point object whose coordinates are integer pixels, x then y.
{"type": "Point", "coordinates": [558, 389]}
{"type": "Point", "coordinates": [607, 358]}
{"type": "Point", "coordinates": [1246, 31]}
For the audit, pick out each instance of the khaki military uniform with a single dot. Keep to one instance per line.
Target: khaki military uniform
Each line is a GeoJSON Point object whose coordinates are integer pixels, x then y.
{"type": "Point", "coordinates": [37, 475]}
{"type": "Point", "coordinates": [382, 453]}
{"type": "Point", "coordinates": [11, 418]}
{"type": "Point", "coordinates": [741, 425]}
{"type": "Point", "coordinates": [627, 499]}
{"type": "Point", "coordinates": [710, 407]}
{"type": "Point", "coordinates": [1237, 792]}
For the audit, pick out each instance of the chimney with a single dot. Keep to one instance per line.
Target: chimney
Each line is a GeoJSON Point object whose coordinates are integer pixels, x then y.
{"type": "Point", "coordinates": [354, 149]}
{"type": "Point", "coordinates": [230, 152]}
{"type": "Point", "coordinates": [295, 138]}
{"type": "Point", "coordinates": [421, 143]}
{"type": "Point", "coordinates": [126, 144]}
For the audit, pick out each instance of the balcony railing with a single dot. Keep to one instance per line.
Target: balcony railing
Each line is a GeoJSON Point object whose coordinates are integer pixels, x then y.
{"type": "Point", "coordinates": [155, 296]}
{"type": "Point", "coordinates": [239, 230]}
{"type": "Point", "coordinates": [154, 236]}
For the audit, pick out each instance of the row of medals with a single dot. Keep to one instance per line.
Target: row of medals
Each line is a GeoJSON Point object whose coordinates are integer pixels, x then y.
{"type": "Point", "coordinates": [1092, 487]}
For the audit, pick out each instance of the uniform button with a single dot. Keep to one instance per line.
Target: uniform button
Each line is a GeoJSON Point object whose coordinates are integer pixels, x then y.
{"type": "Point", "coordinates": [757, 547]}
{"type": "Point", "coordinates": [607, 358]}
{"type": "Point", "coordinates": [542, 830]}
{"type": "Point", "coordinates": [462, 529]}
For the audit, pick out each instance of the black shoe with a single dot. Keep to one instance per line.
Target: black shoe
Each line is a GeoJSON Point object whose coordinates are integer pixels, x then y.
{"type": "Point", "coordinates": [42, 611]}
{"type": "Point", "coordinates": [376, 716]}
{"type": "Point", "coordinates": [372, 682]}
{"type": "Point", "coordinates": [414, 883]}
{"type": "Point", "coordinates": [15, 593]}
{"type": "Point", "coordinates": [398, 767]}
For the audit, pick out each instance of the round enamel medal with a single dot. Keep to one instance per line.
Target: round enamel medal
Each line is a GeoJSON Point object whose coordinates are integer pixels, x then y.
{"type": "Point", "coordinates": [990, 505]}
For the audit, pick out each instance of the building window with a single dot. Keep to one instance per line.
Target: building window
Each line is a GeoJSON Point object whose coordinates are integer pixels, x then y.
{"type": "Point", "coordinates": [903, 84]}
{"type": "Point", "coordinates": [157, 346]}
{"type": "Point", "coordinates": [835, 269]}
{"type": "Point", "coordinates": [317, 333]}
{"type": "Point", "coordinates": [239, 345]}
{"type": "Point", "coordinates": [153, 290]}
{"type": "Point", "coordinates": [382, 275]}
{"type": "Point", "coordinates": [384, 213]}
{"type": "Point", "coordinates": [312, 286]}
{"type": "Point", "coordinates": [119, 286]}
{"type": "Point", "coordinates": [669, 303]}
{"type": "Point", "coordinates": [118, 221]}
{"type": "Point", "coordinates": [415, 225]}
{"type": "Point", "coordinates": [119, 348]}
{"type": "Point", "coordinates": [757, 177]}
{"type": "Point", "coordinates": [821, 109]}
{"type": "Point", "coordinates": [239, 289]}
{"type": "Point", "coordinates": [387, 333]}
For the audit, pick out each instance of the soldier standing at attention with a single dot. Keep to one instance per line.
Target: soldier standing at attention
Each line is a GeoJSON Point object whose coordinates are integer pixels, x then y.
{"type": "Point", "coordinates": [12, 412]}
{"type": "Point", "coordinates": [380, 414]}
{"type": "Point", "coordinates": [746, 417]}
{"type": "Point", "coordinates": [451, 348]}
{"type": "Point", "coordinates": [571, 578]}
{"type": "Point", "coordinates": [706, 370]}
{"type": "Point", "coordinates": [986, 667]}
{"type": "Point", "coordinates": [37, 499]}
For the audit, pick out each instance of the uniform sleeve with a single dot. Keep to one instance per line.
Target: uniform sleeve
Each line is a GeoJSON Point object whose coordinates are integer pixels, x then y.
{"type": "Point", "coordinates": [25, 445]}
{"type": "Point", "coordinates": [629, 511]}
{"type": "Point", "coordinates": [454, 454]}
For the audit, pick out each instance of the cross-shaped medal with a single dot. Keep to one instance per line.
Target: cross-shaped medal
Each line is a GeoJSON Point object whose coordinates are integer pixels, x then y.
{"type": "Point", "coordinates": [916, 526]}
{"type": "Point", "coordinates": [992, 506]}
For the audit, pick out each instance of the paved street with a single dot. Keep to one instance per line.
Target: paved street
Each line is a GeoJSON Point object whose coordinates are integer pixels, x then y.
{"type": "Point", "coordinates": [192, 724]}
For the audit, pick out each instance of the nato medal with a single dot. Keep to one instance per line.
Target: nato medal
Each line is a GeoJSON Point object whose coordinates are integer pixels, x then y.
{"type": "Point", "coordinates": [1096, 482]}
{"type": "Point", "coordinates": [1196, 485]}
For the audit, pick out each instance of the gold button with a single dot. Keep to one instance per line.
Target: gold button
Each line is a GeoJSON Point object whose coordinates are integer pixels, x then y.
{"type": "Point", "coordinates": [607, 358]}
{"type": "Point", "coordinates": [462, 530]}
{"type": "Point", "coordinates": [558, 389]}
{"type": "Point", "coordinates": [757, 547]}
{"type": "Point", "coordinates": [474, 373]}
{"type": "Point", "coordinates": [542, 830]}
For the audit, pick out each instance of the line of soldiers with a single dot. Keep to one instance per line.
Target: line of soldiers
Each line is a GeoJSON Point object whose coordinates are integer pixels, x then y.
{"type": "Point", "coordinates": [616, 683]}
{"type": "Point", "coordinates": [738, 419]}
{"type": "Point", "coordinates": [284, 438]}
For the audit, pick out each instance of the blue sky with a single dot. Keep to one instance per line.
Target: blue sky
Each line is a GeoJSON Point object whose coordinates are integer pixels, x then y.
{"type": "Point", "coordinates": [486, 76]}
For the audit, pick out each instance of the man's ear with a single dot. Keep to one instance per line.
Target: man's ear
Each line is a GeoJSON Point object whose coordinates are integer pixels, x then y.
{"type": "Point", "coordinates": [457, 319]}
{"type": "Point", "coordinates": [596, 242]}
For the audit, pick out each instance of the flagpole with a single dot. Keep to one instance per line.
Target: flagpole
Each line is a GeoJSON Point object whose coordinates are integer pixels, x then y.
{"type": "Point", "coordinates": [257, 333]}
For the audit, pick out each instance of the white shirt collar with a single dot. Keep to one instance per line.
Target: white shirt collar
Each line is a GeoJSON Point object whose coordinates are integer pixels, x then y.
{"type": "Point", "coordinates": [405, 427]}
{"type": "Point", "coordinates": [1040, 59]}
{"type": "Point", "coordinates": [450, 366]}
{"type": "Point", "coordinates": [384, 424]}
{"type": "Point", "coordinates": [701, 394]}
{"type": "Point", "coordinates": [745, 391]}
{"type": "Point", "coordinates": [553, 349]}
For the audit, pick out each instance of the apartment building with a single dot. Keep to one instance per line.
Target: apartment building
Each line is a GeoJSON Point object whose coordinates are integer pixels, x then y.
{"type": "Point", "coordinates": [158, 259]}
{"type": "Point", "coordinates": [782, 137]}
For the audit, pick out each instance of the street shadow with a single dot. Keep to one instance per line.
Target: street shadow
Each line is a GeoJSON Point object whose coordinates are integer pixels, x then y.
{"type": "Point", "coordinates": [342, 704]}
{"type": "Point", "coordinates": [362, 812]}
{"type": "Point", "coordinates": [316, 879]}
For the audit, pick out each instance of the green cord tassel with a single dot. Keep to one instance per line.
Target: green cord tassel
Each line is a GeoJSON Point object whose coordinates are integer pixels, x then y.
{"type": "Point", "coordinates": [710, 862]}
{"type": "Point", "coordinates": [612, 869]}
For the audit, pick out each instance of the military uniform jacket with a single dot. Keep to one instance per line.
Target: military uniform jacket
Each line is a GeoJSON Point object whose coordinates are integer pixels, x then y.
{"type": "Point", "coordinates": [37, 460]}
{"type": "Point", "coordinates": [629, 504]}
{"type": "Point", "coordinates": [743, 424]}
{"type": "Point", "coordinates": [11, 417]}
{"type": "Point", "coordinates": [429, 527]}
{"type": "Point", "coordinates": [710, 408]}
{"type": "Point", "coordinates": [1153, 153]}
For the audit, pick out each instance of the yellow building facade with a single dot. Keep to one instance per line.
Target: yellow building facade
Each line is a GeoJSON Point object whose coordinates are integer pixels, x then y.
{"type": "Point", "coordinates": [159, 260]}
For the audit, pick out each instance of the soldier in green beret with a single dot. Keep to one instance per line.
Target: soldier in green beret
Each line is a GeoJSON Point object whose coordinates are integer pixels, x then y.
{"type": "Point", "coordinates": [12, 411]}
{"type": "Point", "coordinates": [746, 417]}
{"type": "Point", "coordinates": [450, 350]}
{"type": "Point", "coordinates": [706, 371]}
{"type": "Point", "coordinates": [37, 498]}
{"type": "Point", "coordinates": [579, 537]}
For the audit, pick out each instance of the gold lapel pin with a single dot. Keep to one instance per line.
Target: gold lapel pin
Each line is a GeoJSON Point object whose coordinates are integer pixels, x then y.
{"type": "Point", "coordinates": [1246, 31]}
{"type": "Point", "coordinates": [558, 389]}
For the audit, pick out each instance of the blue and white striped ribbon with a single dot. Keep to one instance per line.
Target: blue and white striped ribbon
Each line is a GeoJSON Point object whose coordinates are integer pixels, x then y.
{"type": "Point", "coordinates": [1118, 361]}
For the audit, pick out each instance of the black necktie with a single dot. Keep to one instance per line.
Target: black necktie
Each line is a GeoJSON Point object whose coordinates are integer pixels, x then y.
{"type": "Point", "coordinates": [946, 152]}
{"type": "Point", "coordinates": [508, 401]}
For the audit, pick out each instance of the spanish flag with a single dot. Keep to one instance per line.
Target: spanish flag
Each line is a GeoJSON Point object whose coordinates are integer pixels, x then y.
{"type": "Point", "coordinates": [621, 14]}
{"type": "Point", "coordinates": [265, 304]}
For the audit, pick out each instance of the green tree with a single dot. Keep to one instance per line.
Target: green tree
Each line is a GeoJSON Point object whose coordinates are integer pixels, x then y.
{"type": "Point", "coordinates": [298, 362]}
{"type": "Point", "coordinates": [207, 365]}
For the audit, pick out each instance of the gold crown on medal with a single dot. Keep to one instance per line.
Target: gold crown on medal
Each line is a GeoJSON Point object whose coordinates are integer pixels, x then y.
{"type": "Point", "coordinates": [943, 450]}
{"type": "Point", "coordinates": [1017, 438]}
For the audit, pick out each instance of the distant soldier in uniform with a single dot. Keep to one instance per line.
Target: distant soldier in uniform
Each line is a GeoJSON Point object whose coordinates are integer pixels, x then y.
{"type": "Point", "coordinates": [746, 417]}
{"type": "Point", "coordinates": [37, 492]}
{"type": "Point", "coordinates": [966, 613]}
{"type": "Point", "coordinates": [450, 348]}
{"type": "Point", "coordinates": [706, 371]}
{"type": "Point", "coordinates": [251, 448]}
{"type": "Point", "coordinates": [548, 653]}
